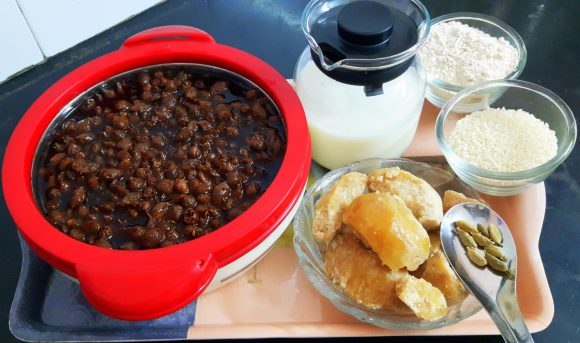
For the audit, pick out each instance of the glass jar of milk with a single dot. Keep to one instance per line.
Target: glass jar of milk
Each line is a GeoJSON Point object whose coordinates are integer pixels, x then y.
{"type": "Point", "coordinates": [359, 81]}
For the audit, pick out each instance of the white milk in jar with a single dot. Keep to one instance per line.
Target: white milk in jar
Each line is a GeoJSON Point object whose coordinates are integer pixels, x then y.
{"type": "Point", "coordinates": [347, 126]}
{"type": "Point", "coordinates": [359, 81]}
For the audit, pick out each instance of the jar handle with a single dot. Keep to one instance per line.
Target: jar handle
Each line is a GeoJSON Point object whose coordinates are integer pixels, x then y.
{"type": "Point", "coordinates": [144, 294]}
{"type": "Point", "coordinates": [170, 32]}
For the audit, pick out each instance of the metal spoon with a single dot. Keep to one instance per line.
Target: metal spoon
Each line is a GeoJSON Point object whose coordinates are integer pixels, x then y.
{"type": "Point", "coordinates": [495, 290]}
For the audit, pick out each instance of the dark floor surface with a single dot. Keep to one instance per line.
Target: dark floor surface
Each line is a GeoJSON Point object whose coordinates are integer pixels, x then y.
{"type": "Point", "coordinates": [270, 29]}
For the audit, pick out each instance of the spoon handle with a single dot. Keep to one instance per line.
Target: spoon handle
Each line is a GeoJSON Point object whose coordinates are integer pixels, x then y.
{"type": "Point", "coordinates": [506, 314]}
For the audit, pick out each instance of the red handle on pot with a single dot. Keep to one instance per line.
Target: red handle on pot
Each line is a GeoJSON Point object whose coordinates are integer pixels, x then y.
{"type": "Point", "coordinates": [141, 295]}
{"type": "Point", "coordinates": [171, 32]}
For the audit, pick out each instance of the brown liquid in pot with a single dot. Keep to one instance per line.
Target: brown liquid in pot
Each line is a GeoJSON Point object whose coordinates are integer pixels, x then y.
{"type": "Point", "coordinates": [158, 159]}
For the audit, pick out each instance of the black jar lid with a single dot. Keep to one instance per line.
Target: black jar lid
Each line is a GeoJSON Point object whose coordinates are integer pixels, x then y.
{"type": "Point", "coordinates": [366, 31]}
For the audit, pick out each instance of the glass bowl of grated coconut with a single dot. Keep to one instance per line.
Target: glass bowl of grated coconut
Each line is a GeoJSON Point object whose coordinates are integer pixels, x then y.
{"type": "Point", "coordinates": [509, 142]}
{"type": "Point", "coordinates": [464, 49]}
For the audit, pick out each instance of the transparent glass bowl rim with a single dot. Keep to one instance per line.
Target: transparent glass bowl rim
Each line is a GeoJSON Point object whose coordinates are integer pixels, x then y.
{"type": "Point", "coordinates": [567, 143]}
{"type": "Point", "coordinates": [520, 45]}
{"type": "Point", "coordinates": [367, 64]}
{"type": "Point", "coordinates": [366, 314]}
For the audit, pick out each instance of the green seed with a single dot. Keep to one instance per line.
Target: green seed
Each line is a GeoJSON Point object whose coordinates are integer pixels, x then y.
{"type": "Point", "coordinates": [496, 263]}
{"type": "Point", "coordinates": [496, 251]}
{"type": "Point", "coordinates": [495, 234]}
{"type": "Point", "coordinates": [481, 240]}
{"type": "Point", "coordinates": [465, 226]}
{"type": "Point", "coordinates": [466, 239]}
{"type": "Point", "coordinates": [476, 257]}
{"type": "Point", "coordinates": [483, 230]}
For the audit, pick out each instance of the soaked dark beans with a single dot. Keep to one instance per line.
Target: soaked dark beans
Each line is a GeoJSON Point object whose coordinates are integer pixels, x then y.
{"type": "Point", "coordinates": [158, 159]}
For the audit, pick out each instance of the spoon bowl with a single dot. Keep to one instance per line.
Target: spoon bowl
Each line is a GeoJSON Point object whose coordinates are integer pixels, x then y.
{"type": "Point", "coordinates": [495, 290]}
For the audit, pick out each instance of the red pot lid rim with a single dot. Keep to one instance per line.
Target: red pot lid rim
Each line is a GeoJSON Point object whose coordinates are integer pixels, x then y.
{"type": "Point", "coordinates": [172, 44]}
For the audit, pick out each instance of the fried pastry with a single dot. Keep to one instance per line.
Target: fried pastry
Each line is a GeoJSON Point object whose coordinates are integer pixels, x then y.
{"type": "Point", "coordinates": [360, 274]}
{"type": "Point", "coordinates": [452, 198]}
{"type": "Point", "coordinates": [438, 272]}
{"type": "Point", "coordinates": [435, 242]}
{"type": "Point", "coordinates": [388, 227]}
{"type": "Point", "coordinates": [329, 208]}
{"type": "Point", "coordinates": [417, 194]}
{"type": "Point", "coordinates": [424, 299]}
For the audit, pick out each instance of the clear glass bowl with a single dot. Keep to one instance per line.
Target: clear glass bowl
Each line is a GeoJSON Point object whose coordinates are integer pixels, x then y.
{"type": "Point", "coordinates": [439, 91]}
{"type": "Point", "coordinates": [513, 94]}
{"type": "Point", "coordinates": [311, 254]}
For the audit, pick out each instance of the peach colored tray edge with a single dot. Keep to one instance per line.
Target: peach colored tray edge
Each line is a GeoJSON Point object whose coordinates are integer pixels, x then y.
{"type": "Point", "coordinates": [214, 324]}
{"type": "Point", "coordinates": [524, 214]}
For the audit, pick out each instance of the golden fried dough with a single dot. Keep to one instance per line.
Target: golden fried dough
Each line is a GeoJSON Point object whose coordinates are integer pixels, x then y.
{"type": "Point", "coordinates": [435, 241]}
{"type": "Point", "coordinates": [417, 194]}
{"type": "Point", "coordinates": [452, 198]}
{"type": "Point", "coordinates": [328, 210]}
{"type": "Point", "coordinates": [438, 272]}
{"type": "Point", "coordinates": [425, 300]}
{"type": "Point", "coordinates": [388, 227]}
{"type": "Point", "coordinates": [360, 274]}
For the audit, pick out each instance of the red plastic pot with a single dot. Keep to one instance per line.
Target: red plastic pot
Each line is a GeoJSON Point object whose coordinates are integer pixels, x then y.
{"type": "Point", "coordinates": [138, 285]}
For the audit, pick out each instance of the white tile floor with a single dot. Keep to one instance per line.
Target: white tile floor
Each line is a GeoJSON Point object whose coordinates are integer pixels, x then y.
{"type": "Point", "coordinates": [61, 24]}
{"type": "Point", "coordinates": [19, 49]}
{"type": "Point", "coordinates": [30, 29]}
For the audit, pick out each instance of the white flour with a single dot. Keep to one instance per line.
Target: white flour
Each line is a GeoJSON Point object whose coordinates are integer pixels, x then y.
{"type": "Point", "coordinates": [503, 140]}
{"type": "Point", "coordinates": [460, 54]}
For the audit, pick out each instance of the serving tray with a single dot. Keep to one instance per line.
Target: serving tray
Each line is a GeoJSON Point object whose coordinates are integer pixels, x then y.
{"type": "Point", "coordinates": [274, 298]}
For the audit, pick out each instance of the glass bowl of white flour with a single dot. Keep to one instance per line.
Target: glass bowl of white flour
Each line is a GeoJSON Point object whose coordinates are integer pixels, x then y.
{"type": "Point", "coordinates": [509, 143]}
{"type": "Point", "coordinates": [464, 49]}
